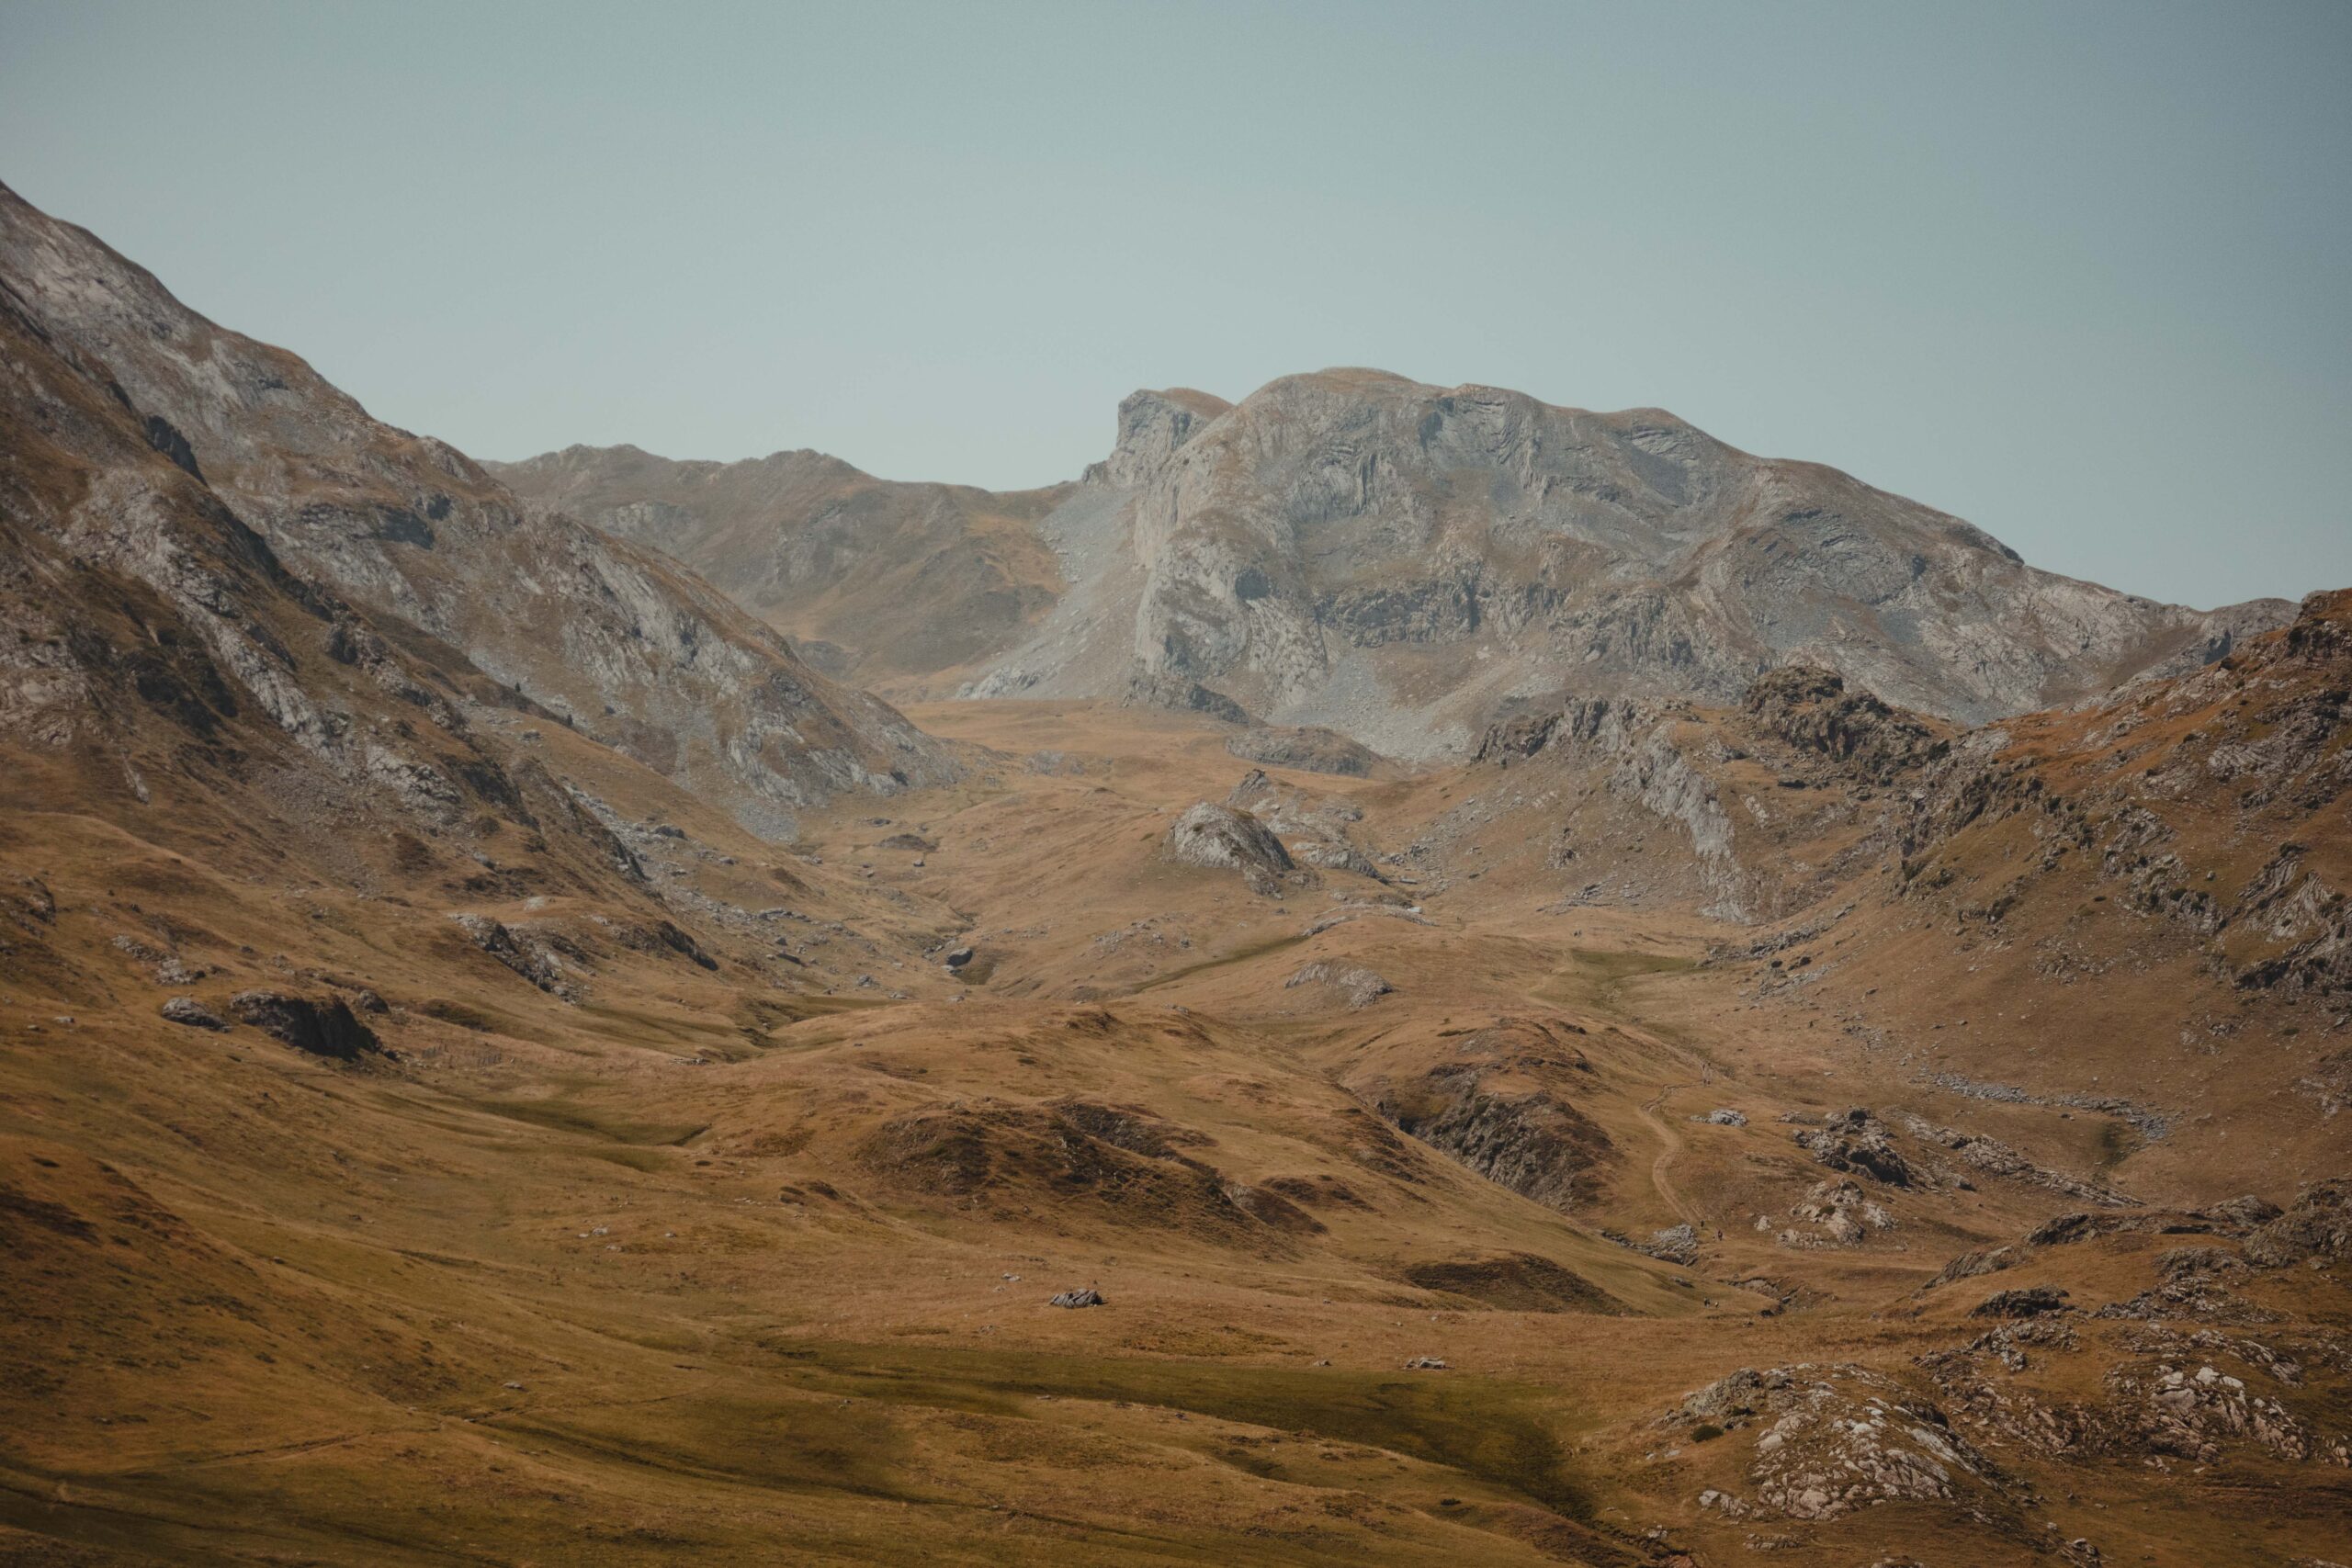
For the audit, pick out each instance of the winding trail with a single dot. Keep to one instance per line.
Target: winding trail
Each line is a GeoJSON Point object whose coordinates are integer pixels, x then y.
{"type": "Point", "coordinates": [1670, 1145]}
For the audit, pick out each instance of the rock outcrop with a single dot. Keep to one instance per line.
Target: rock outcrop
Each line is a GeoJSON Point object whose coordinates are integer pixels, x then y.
{"type": "Point", "coordinates": [1355, 986]}
{"type": "Point", "coordinates": [1531, 1141]}
{"type": "Point", "coordinates": [1832, 1439]}
{"type": "Point", "coordinates": [316, 1026]}
{"type": "Point", "coordinates": [1223, 839]}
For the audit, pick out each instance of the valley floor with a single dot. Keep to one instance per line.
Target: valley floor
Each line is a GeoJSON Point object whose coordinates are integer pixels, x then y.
{"type": "Point", "coordinates": [658, 1262]}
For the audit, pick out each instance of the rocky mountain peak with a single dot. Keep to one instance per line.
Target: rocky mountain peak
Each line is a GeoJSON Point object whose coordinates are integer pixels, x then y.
{"type": "Point", "coordinates": [1152, 427]}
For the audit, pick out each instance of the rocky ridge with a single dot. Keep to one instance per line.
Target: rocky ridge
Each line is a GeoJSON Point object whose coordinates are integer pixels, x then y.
{"type": "Point", "coordinates": [1395, 561]}
{"type": "Point", "coordinates": [597, 633]}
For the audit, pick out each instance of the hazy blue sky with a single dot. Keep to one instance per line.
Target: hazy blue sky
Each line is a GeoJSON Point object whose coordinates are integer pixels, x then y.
{"type": "Point", "coordinates": [2079, 272]}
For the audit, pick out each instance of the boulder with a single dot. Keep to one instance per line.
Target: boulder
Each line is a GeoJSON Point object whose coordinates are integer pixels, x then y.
{"type": "Point", "coordinates": [188, 1010]}
{"type": "Point", "coordinates": [1223, 839]}
{"type": "Point", "coordinates": [1088, 1297]}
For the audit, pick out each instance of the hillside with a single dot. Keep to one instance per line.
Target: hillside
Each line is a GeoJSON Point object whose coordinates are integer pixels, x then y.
{"type": "Point", "coordinates": [501, 1061]}
{"type": "Point", "coordinates": [606, 637]}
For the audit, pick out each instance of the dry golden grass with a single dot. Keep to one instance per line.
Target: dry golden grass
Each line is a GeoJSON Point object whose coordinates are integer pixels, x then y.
{"type": "Point", "coordinates": [702, 1270]}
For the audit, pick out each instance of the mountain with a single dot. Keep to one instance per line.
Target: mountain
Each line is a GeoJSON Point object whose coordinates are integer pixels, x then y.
{"type": "Point", "coordinates": [439, 1122]}
{"type": "Point", "coordinates": [1398, 562]}
{"type": "Point", "coordinates": [2137, 905]}
{"type": "Point", "coordinates": [875, 582]}
{"type": "Point", "coordinates": [606, 637]}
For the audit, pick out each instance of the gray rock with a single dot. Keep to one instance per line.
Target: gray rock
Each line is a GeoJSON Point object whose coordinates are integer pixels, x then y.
{"type": "Point", "coordinates": [1854, 1141]}
{"type": "Point", "coordinates": [1223, 839]}
{"type": "Point", "coordinates": [1337, 547]}
{"type": "Point", "coordinates": [2316, 1226]}
{"type": "Point", "coordinates": [188, 1010]}
{"type": "Point", "coordinates": [1356, 985]}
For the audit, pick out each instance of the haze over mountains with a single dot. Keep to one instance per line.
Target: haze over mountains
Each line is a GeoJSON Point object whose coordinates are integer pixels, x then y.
{"type": "Point", "coordinates": [1802, 1034]}
{"type": "Point", "coordinates": [1396, 562]}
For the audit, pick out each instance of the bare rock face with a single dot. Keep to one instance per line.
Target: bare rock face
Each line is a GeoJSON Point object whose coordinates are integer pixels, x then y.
{"type": "Point", "coordinates": [1316, 831]}
{"type": "Point", "coordinates": [2032, 1300]}
{"type": "Point", "coordinates": [2317, 1225]}
{"type": "Point", "coordinates": [1396, 561]}
{"type": "Point", "coordinates": [1835, 1213]}
{"type": "Point", "coordinates": [1535, 1142]}
{"type": "Point", "coordinates": [1811, 708]}
{"type": "Point", "coordinates": [1153, 427]}
{"type": "Point", "coordinates": [1223, 839]}
{"type": "Point", "coordinates": [606, 637]}
{"type": "Point", "coordinates": [529, 954]}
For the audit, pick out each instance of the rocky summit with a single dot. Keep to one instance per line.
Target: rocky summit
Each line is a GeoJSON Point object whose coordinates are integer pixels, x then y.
{"type": "Point", "coordinates": [1395, 975]}
{"type": "Point", "coordinates": [1396, 561]}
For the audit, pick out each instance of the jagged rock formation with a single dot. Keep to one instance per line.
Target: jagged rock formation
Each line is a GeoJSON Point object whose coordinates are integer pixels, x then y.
{"type": "Point", "coordinates": [1531, 1141]}
{"type": "Point", "coordinates": [1315, 832]}
{"type": "Point", "coordinates": [1811, 710]}
{"type": "Point", "coordinates": [289, 470]}
{"type": "Point", "coordinates": [1836, 1438]}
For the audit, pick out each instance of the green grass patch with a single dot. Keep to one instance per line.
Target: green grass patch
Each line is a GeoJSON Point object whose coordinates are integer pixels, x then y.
{"type": "Point", "coordinates": [1494, 1431]}
{"type": "Point", "coordinates": [570, 1116]}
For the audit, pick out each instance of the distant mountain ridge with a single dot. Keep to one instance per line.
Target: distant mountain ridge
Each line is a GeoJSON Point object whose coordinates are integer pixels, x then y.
{"type": "Point", "coordinates": [1397, 561]}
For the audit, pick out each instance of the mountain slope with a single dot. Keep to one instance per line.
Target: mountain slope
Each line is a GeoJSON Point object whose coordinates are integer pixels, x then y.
{"type": "Point", "coordinates": [1396, 562]}
{"type": "Point", "coordinates": [606, 637]}
{"type": "Point", "coordinates": [1682, 1129]}
{"type": "Point", "coordinates": [875, 581]}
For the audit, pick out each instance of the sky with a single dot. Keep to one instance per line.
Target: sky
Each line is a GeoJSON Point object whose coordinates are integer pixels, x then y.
{"type": "Point", "coordinates": [2075, 272]}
